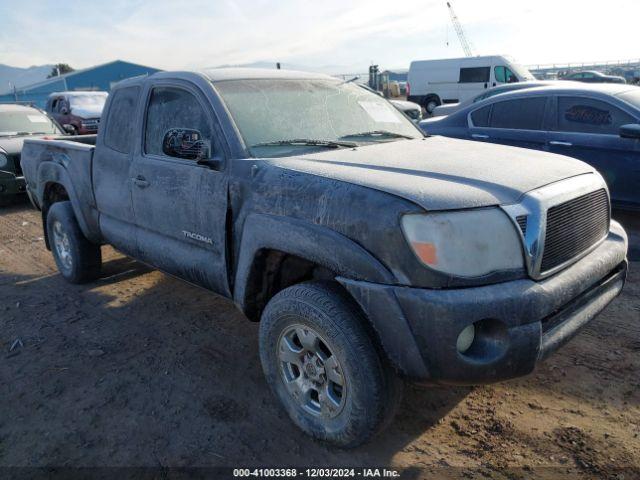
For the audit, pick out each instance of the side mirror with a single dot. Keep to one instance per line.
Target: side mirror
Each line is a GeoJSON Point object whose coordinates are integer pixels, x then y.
{"type": "Point", "coordinates": [631, 130]}
{"type": "Point", "coordinates": [186, 143]}
{"type": "Point", "coordinates": [70, 129]}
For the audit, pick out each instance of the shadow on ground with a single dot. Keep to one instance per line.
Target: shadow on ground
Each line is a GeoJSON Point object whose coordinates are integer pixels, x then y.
{"type": "Point", "coordinates": [157, 373]}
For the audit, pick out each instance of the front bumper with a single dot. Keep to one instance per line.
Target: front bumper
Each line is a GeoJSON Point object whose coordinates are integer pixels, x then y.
{"type": "Point", "coordinates": [10, 184]}
{"type": "Point", "coordinates": [518, 323]}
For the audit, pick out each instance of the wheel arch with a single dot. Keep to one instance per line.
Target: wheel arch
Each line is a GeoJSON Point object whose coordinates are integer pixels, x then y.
{"type": "Point", "coordinates": [428, 97]}
{"type": "Point", "coordinates": [55, 185]}
{"type": "Point", "coordinates": [277, 252]}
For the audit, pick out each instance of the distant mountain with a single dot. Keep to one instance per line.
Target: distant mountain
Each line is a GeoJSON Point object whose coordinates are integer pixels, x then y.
{"type": "Point", "coordinates": [20, 77]}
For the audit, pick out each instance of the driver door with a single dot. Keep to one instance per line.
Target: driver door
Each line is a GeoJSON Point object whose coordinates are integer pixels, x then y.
{"type": "Point", "coordinates": [179, 205]}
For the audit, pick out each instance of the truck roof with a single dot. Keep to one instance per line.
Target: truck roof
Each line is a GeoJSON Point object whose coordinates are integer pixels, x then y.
{"type": "Point", "coordinates": [80, 93]}
{"type": "Point", "coordinates": [221, 74]}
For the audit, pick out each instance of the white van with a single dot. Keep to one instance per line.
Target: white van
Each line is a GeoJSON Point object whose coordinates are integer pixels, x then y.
{"type": "Point", "coordinates": [435, 82]}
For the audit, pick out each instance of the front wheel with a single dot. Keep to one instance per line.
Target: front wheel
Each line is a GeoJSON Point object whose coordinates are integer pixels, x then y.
{"type": "Point", "coordinates": [77, 259]}
{"type": "Point", "coordinates": [431, 103]}
{"type": "Point", "coordinates": [323, 364]}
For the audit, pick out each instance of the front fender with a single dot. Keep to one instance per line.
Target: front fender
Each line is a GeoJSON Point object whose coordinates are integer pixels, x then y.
{"type": "Point", "coordinates": [312, 242]}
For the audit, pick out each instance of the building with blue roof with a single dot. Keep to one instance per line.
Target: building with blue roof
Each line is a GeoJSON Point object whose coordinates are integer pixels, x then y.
{"type": "Point", "coordinates": [99, 77]}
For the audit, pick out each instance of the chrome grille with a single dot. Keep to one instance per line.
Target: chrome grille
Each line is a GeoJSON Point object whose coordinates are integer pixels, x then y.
{"type": "Point", "coordinates": [573, 227]}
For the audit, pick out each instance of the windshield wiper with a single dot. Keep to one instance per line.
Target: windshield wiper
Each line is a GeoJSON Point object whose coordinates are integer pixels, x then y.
{"type": "Point", "coordinates": [378, 133]}
{"type": "Point", "coordinates": [306, 142]}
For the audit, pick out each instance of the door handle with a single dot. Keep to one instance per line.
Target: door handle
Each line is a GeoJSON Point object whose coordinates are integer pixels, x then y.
{"type": "Point", "coordinates": [564, 144]}
{"type": "Point", "coordinates": [479, 135]}
{"type": "Point", "coordinates": [141, 182]}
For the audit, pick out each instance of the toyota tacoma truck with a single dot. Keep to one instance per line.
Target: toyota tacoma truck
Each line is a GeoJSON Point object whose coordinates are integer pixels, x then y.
{"type": "Point", "coordinates": [369, 253]}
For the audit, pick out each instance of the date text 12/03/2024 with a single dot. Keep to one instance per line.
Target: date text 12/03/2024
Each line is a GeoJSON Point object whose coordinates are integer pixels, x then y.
{"type": "Point", "coordinates": [317, 472]}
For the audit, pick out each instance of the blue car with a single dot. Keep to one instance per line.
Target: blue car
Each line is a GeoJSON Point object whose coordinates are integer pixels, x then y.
{"type": "Point", "coordinates": [598, 124]}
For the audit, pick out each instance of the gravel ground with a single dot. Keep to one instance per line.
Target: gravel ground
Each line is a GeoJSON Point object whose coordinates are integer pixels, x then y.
{"type": "Point", "coordinates": [140, 369]}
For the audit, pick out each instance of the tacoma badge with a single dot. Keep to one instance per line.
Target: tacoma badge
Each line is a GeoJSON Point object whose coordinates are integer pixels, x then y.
{"type": "Point", "coordinates": [197, 236]}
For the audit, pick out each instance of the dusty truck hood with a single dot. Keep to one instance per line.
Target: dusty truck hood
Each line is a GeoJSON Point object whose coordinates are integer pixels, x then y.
{"type": "Point", "coordinates": [440, 173]}
{"type": "Point", "coordinates": [87, 112]}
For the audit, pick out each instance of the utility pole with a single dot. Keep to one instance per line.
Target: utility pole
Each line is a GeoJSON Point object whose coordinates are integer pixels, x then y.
{"type": "Point", "coordinates": [373, 77]}
{"type": "Point", "coordinates": [15, 92]}
{"type": "Point", "coordinates": [466, 45]}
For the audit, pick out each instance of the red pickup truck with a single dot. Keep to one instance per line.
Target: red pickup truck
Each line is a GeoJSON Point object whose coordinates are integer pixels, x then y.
{"type": "Point", "coordinates": [78, 112]}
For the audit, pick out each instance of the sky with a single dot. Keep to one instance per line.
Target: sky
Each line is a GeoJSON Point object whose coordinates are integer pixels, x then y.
{"type": "Point", "coordinates": [340, 35]}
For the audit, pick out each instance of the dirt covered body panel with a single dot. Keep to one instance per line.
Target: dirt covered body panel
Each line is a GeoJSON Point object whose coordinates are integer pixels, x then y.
{"type": "Point", "coordinates": [439, 173]}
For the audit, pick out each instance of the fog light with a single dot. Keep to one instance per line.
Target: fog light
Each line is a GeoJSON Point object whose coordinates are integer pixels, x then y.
{"type": "Point", "coordinates": [465, 339]}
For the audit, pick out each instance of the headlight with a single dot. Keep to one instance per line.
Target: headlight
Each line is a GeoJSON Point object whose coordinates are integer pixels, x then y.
{"type": "Point", "coordinates": [469, 243]}
{"type": "Point", "coordinates": [3, 160]}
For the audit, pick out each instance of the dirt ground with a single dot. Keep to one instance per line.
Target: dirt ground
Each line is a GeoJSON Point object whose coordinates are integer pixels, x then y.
{"type": "Point", "coordinates": [140, 369]}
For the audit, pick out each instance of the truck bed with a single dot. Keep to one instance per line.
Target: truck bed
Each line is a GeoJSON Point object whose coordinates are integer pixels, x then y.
{"type": "Point", "coordinates": [73, 154]}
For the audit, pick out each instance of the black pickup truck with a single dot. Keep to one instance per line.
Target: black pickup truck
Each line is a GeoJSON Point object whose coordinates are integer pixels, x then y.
{"type": "Point", "coordinates": [369, 252]}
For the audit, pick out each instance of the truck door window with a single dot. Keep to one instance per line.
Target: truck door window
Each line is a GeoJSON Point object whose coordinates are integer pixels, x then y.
{"type": "Point", "coordinates": [504, 75]}
{"type": "Point", "coordinates": [519, 114]}
{"type": "Point", "coordinates": [475, 75]}
{"type": "Point", "coordinates": [170, 108]}
{"type": "Point", "coordinates": [586, 115]}
{"type": "Point", "coordinates": [122, 113]}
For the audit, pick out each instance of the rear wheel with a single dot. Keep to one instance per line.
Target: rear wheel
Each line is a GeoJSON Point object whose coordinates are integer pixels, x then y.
{"type": "Point", "coordinates": [324, 366]}
{"type": "Point", "coordinates": [77, 259]}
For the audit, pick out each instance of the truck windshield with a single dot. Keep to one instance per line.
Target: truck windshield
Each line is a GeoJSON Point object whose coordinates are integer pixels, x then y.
{"type": "Point", "coordinates": [523, 73]}
{"type": "Point", "coordinates": [287, 117]}
{"type": "Point", "coordinates": [26, 122]}
{"type": "Point", "coordinates": [90, 100]}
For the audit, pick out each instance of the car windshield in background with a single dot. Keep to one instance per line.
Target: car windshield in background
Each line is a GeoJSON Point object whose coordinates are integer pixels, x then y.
{"type": "Point", "coordinates": [85, 101]}
{"type": "Point", "coordinates": [26, 123]}
{"type": "Point", "coordinates": [520, 71]}
{"type": "Point", "coordinates": [286, 117]}
{"type": "Point", "coordinates": [632, 97]}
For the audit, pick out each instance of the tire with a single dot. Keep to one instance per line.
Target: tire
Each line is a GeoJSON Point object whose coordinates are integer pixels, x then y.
{"type": "Point", "coordinates": [321, 314]}
{"type": "Point", "coordinates": [77, 259]}
{"type": "Point", "coordinates": [431, 103]}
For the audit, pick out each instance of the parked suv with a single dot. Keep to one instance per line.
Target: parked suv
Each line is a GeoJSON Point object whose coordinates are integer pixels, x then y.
{"type": "Point", "coordinates": [368, 252]}
{"type": "Point", "coordinates": [78, 112]}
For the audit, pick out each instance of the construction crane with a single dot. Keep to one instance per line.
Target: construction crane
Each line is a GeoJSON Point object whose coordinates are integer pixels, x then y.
{"type": "Point", "coordinates": [466, 45]}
